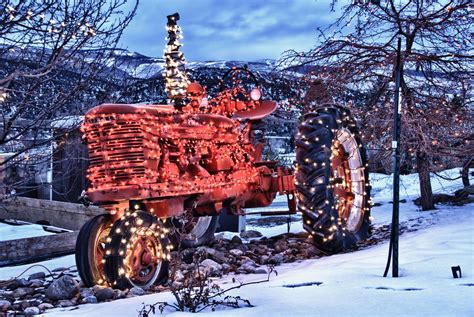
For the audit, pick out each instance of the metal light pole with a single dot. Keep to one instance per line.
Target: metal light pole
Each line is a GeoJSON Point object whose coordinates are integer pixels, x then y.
{"type": "Point", "coordinates": [396, 161]}
{"type": "Point", "coordinates": [393, 249]}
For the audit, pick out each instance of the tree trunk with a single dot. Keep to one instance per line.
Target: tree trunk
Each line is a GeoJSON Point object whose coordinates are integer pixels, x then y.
{"type": "Point", "coordinates": [423, 166]}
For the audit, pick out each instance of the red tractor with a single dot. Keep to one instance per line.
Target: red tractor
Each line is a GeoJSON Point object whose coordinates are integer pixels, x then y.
{"type": "Point", "coordinates": [165, 172]}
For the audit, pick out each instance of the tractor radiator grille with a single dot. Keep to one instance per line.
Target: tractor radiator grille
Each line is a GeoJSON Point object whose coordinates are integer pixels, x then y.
{"type": "Point", "coordinates": [116, 153]}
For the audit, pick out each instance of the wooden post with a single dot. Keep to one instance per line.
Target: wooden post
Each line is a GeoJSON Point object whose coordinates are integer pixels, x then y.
{"type": "Point", "coordinates": [29, 250]}
{"type": "Point", "coordinates": [55, 213]}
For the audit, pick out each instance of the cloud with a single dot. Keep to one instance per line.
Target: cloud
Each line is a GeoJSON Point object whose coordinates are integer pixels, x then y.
{"type": "Point", "coordinates": [229, 29]}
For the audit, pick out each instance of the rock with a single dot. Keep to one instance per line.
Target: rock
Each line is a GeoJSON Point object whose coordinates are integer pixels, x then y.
{"type": "Point", "coordinates": [187, 255]}
{"type": "Point", "coordinates": [236, 252]}
{"type": "Point", "coordinates": [250, 234]}
{"type": "Point", "coordinates": [136, 291]}
{"type": "Point", "coordinates": [65, 303]}
{"type": "Point", "coordinates": [23, 282]}
{"type": "Point", "coordinates": [311, 252]}
{"type": "Point", "coordinates": [15, 307]}
{"type": "Point", "coordinates": [4, 305]}
{"type": "Point", "coordinates": [104, 294]}
{"type": "Point", "coordinates": [118, 294]}
{"type": "Point", "coordinates": [211, 267]}
{"type": "Point", "coordinates": [37, 276]}
{"type": "Point", "coordinates": [97, 288]}
{"type": "Point", "coordinates": [215, 255]}
{"type": "Point", "coordinates": [23, 291]}
{"type": "Point", "coordinates": [64, 287]}
{"type": "Point", "coordinates": [276, 259]}
{"type": "Point", "coordinates": [236, 240]}
{"type": "Point", "coordinates": [45, 306]}
{"type": "Point", "coordinates": [60, 269]}
{"type": "Point", "coordinates": [91, 299]}
{"type": "Point", "coordinates": [4, 293]}
{"type": "Point", "coordinates": [24, 304]}
{"type": "Point", "coordinates": [178, 276]}
{"type": "Point", "coordinates": [261, 270]}
{"type": "Point", "coordinates": [281, 245]}
{"type": "Point", "coordinates": [226, 267]}
{"type": "Point", "coordinates": [84, 292]}
{"type": "Point", "coordinates": [264, 259]}
{"type": "Point", "coordinates": [29, 311]}
{"type": "Point", "coordinates": [248, 266]}
{"type": "Point", "coordinates": [38, 295]}
{"type": "Point", "coordinates": [36, 283]}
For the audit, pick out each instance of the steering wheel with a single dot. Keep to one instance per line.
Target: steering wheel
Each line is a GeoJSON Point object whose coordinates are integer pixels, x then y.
{"type": "Point", "coordinates": [238, 91]}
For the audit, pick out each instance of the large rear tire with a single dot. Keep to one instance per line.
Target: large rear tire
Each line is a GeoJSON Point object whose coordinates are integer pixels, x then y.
{"type": "Point", "coordinates": [332, 179]}
{"type": "Point", "coordinates": [90, 249]}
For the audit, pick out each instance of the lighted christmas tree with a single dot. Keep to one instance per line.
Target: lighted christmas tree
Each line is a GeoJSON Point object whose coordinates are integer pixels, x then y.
{"type": "Point", "coordinates": [175, 73]}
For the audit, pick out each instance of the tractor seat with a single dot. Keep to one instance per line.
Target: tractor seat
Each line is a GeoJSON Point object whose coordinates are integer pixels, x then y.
{"type": "Point", "coordinates": [265, 108]}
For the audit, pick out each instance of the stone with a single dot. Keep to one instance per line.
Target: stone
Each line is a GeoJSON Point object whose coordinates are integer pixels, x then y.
{"type": "Point", "coordinates": [91, 299]}
{"type": "Point", "coordinates": [65, 303]}
{"type": "Point", "coordinates": [23, 291]}
{"type": "Point", "coordinates": [104, 294]}
{"type": "Point", "coordinates": [226, 267]}
{"type": "Point", "coordinates": [248, 234]}
{"type": "Point", "coordinates": [30, 311]}
{"type": "Point", "coordinates": [23, 282]}
{"type": "Point", "coordinates": [4, 305]}
{"type": "Point", "coordinates": [36, 283]}
{"type": "Point", "coordinates": [178, 276]}
{"type": "Point", "coordinates": [281, 245]}
{"type": "Point", "coordinates": [248, 266]}
{"type": "Point", "coordinates": [84, 292]}
{"type": "Point", "coordinates": [38, 295]}
{"type": "Point", "coordinates": [187, 255]}
{"type": "Point", "coordinates": [45, 306]}
{"type": "Point", "coordinates": [236, 240]}
{"type": "Point", "coordinates": [311, 252]}
{"type": "Point", "coordinates": [118, 294]}
{"type": "Point", "coordinates": [64, 287]}
{"type": "Point", "coordinates": [97, 288]}
{"type": "Point", "coordinates": [5, 293]}
{"type": "Point", "coordinates": [236, 252]}
{"type": "Point", "coordinates": [211, 267]}
{"type": "Point", "coordinates": [136, 291]}
{"type": "Point", "coordinates": [276, 259]}
{"type": "Point", "coordinates": [37, 276]}
{"type": "Point", "coordinates": [60, 269]}
{"type": "Point", "coordinates": [24, 304]}
{"type": "Point", "coordinates": [215, 255]}
{"type": "Point", "coordinates": [264, 259]}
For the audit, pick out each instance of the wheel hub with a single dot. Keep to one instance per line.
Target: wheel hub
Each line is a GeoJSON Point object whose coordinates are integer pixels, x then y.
{"type": "Point", "coordinates": [142, 259]}
{"type": "Point", "coordinates": [348, 183]}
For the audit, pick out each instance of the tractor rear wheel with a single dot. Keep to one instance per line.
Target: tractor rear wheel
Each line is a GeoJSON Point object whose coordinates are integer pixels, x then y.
{"type": "Point", "coordinates": [332, 179]}
{"type": "Point", "coordinates": [90, 249]}
{"type": "Point", "coordinates": [190, 232]}
{"type": "Point", "coordinates": [137, 252]}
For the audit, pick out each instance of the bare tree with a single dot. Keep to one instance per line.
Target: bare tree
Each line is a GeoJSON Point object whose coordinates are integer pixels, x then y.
{"type": "Point", "coordinates": [53, 55]}
{"type": "Point", "coordinates": [355, 56]}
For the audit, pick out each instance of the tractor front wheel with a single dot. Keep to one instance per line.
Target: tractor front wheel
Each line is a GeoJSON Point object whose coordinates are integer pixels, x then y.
{"type": "Point", "coordinates": [137, 252]}
{"type": "Point", "coordinates": [90, 249]}
{"type": "Point", "coordinates": [332, 179]}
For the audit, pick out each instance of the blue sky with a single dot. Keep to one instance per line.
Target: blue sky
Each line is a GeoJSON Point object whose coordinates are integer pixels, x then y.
{"type": "Point", "coordinates": [229, 29]}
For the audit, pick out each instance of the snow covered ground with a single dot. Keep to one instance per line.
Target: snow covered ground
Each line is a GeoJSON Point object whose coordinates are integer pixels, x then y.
{"type": "Point", "coordinates": [351, 284]}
